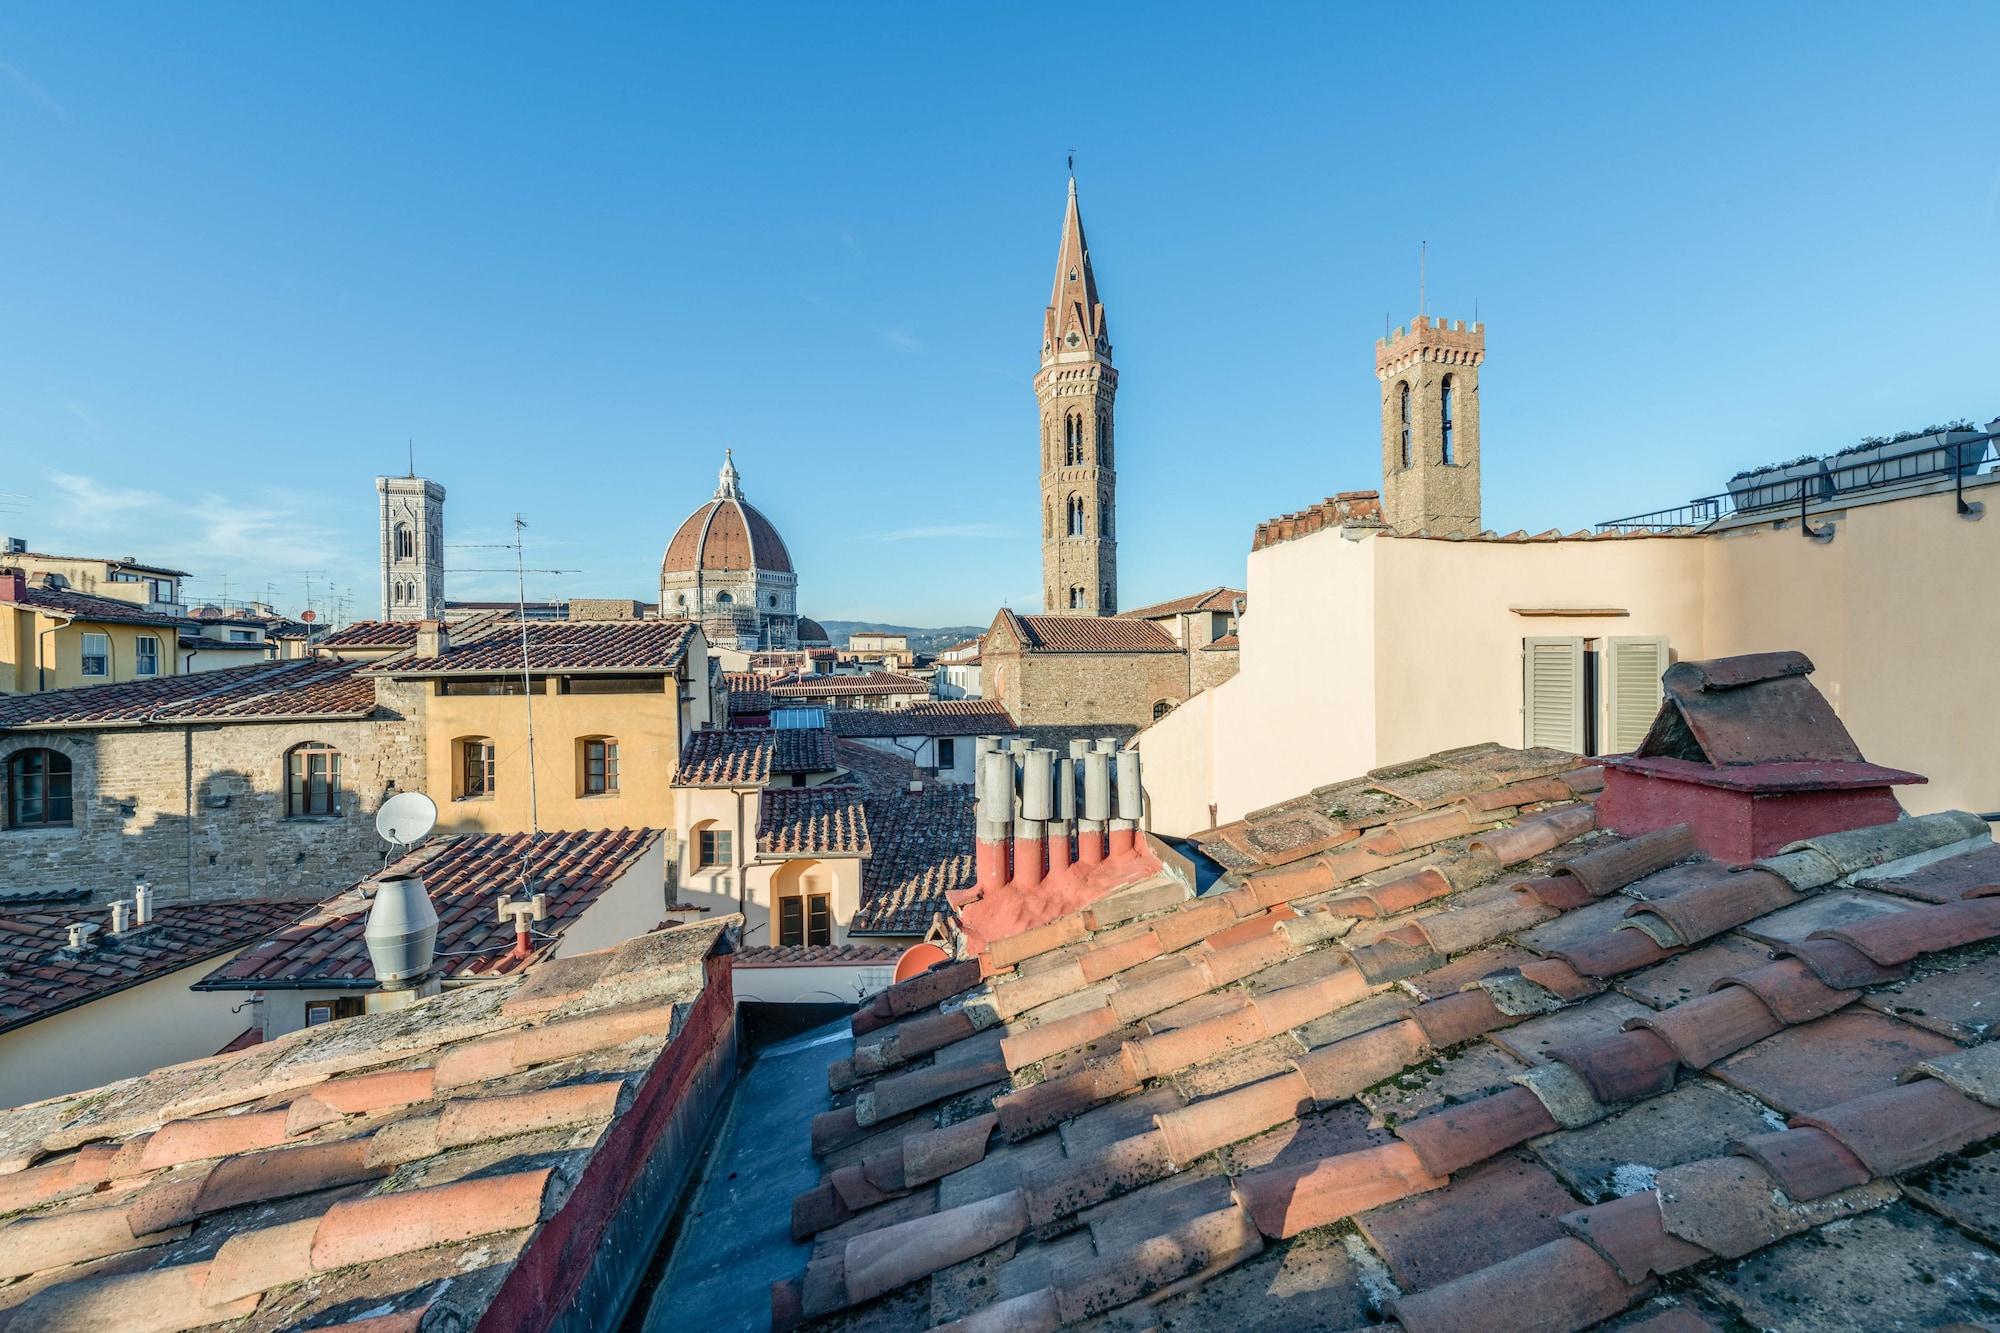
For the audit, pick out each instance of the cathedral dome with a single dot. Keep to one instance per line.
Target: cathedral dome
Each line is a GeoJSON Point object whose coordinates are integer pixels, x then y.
{"type": "Point", "coordinates": [727, 535]}
{"type": "Point", "coordinates": [812, 634]}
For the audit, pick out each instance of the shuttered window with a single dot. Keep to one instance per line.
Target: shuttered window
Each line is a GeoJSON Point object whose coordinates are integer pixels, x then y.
{"type": "Point", "coordinates": [1552, 693]}
{"type": "Point", "coordinates": [1632, 672]}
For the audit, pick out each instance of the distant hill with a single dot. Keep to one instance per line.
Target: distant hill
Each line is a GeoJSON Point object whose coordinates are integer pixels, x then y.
{"type": "Point", "coordinates": [921, 640]}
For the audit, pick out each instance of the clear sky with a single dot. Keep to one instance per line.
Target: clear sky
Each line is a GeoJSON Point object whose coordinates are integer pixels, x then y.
{"type": "Point", "coordinates": [246, 252]}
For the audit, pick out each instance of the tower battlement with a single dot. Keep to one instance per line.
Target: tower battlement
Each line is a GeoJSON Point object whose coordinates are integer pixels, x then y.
{"type": "Point", "coordinates": [1446, 341]}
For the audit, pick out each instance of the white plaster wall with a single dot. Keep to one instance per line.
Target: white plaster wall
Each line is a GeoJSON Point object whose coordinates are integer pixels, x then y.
{"type": "Point", "coordinates": [813, 984]}
{"type": "Point", "coordinates": [633, 905]}
{"type": "Point", "coordinates": [160, 1022]}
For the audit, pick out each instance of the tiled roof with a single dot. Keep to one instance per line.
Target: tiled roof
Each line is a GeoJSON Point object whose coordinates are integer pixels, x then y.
{"type": "Point", "coordinates": [302, 688]}
{"type": "Point", "coordinates": [747, 692]}
{"type": "Point", "coordinates": [88, 606]}
{"type": "Point", "coordinates": [1089, 634]}
{"type": "Point", "coordinates": [1439, 1053]}
{"type": "Point", "coordinates": [922, 849]}
{"type": "Point", "coordinates": [38, 979]}
{"type": "Point", "coordinates": [878, 771]}
{"type": "Point", "coordinates": [1215, 599]}
{"type": "Point", "coordinates": [466, 877]}
{"type": "Point", "coordinates": [817, 955]}
{"type": "Point", "coordinates": [939, 718]}
{"type": "Point", "coordinates": [451, 1163]}
{"type": "Point", "coordinates": [373, 634]}
{"type": "Point", "coordinates": [1360, 508]}
{"type": "Point", "coordinates": [1224, 644]}
{"type": "Point", "coordinates": [748, 756]}
{"type": "Point", "coordinates": [132, 565]}
{"type": "Point", "coordinates": [554, 645]}
{"type": "Point", "coordinates": [820, 686]}
{"type": "Point", "coordinates": [830, 820]}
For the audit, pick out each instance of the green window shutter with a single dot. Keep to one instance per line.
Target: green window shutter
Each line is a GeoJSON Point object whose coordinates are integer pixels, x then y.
{"type": "Point", "coordinates": [1632, 690]}
{"type": "Point", "coordinates": [1552, 688]}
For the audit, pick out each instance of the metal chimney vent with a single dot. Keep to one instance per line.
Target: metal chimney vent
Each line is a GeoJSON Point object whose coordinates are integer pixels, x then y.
{"type": "Point", "coordinates": [402, 932]}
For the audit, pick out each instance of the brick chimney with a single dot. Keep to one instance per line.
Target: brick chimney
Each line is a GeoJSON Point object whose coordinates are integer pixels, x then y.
{"type": "Point", "coordinates": [1746, 752]}
{"type": "Point", "coordinates": [13, 585]}
{"type": "Point", "coordinates": [433, 639]}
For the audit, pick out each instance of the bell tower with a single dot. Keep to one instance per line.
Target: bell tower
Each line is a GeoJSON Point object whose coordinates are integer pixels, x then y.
{"type": "Point", "coordinates": [412, 514]}
{"type": "Point", "coordinates": [1075, 389]}
{"type": "Point", "coordinates": [1430, 425]}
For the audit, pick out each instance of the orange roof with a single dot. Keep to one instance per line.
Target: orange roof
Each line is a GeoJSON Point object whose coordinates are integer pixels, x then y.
{"type": "Point", "coordinates": [1089, 634]}
{"type": "Point", "coordinates": [1215, 599]}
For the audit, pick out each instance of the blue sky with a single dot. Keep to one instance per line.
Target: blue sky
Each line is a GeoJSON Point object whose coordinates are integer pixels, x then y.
{"type": "Point", "coordinates": [247, 252]}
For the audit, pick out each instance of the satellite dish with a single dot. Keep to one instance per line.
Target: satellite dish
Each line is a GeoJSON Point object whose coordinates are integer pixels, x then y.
{"type": "Point", "coordinates": [406, 818]}
{"type": "Point", "coordinates": [307, 617]}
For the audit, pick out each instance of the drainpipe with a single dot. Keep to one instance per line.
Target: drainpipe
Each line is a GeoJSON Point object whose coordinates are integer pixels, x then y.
{"type": "Point", "coordinates": [1131, 806]}
{"type": "Point", "coordinates": [187, 771]}
{"type": "Point", "coordinates": [742, 861]}
{"type": "Point", "coordinates": [41, 658]}
{"type": "Point", "coordinates": [1096, 806]}
{"type": "Point", "coordinates": [994, 809]}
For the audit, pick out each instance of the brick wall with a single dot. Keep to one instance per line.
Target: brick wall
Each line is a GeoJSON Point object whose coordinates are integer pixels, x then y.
{"type": "Point", "coordinates": [1085, 693]}
{"type": "Point", "coordinates": [131, 795]}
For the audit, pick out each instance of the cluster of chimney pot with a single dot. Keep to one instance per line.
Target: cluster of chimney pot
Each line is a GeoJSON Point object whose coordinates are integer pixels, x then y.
{"type": "Point", "coordinates": [126, 914]}
{"type": "Point", "coordinates": [1027, 807]}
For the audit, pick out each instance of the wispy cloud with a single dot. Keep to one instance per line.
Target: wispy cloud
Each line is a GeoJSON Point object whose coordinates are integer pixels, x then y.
{"type": "Point", "coordinates": [88, 503]}
{"type": "Point", "coordinates": [33, 91]}
{"type": "Point", "coordinates": [948, 531]}
{"type": "Point", "coordinates": [901, 339]}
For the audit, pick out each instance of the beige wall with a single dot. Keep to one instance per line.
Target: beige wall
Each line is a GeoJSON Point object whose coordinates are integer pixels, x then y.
{"type": "Point", "coordinates": [817, 983]}
{"type": "Point", "coordinates": [1367, 652]}
{"type": "Point", "coordinates": [752, 883]}
{"type": "Point", "coordinates": [42, 652]}
{"type": "Point", "coordinates": [160, 1022]}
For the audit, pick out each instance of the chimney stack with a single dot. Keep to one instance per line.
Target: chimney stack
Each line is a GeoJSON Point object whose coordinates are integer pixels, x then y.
{"type": "Point", "coordinates": [13, 585]}
{"type": "Point", "coordinates": [994, 814]}
{"type": "Point", "coordinates": [142, 903]}
{"type": "Point", "coordinates": [1096, 806]}
{"type": "Point", "coordinates": [433, 639]}
{"type": "Point", "coordinates": [121, 916]}
{"type": "Point", "coordinates": [1124, 838]}
{"type": "Point", "coordinates": [1063, 827]}
{"type": "Point", "coordinates": [1037, 805]}
{"type": "Point", "coordinates": [79, 935]}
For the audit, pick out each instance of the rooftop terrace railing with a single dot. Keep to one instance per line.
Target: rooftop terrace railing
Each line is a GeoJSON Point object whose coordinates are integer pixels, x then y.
{"type": "Point", "coordinates": [1823, 483]}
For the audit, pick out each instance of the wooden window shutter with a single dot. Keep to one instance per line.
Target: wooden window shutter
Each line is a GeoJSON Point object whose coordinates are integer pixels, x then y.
{"type": "Point", "coordinates": [1631, 690]}
{"type": "Point", "coordinates": [1552, 694]}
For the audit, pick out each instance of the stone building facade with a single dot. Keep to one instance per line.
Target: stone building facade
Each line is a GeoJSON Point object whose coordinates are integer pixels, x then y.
{"type": "Point", "coordinates": [1429, 374]}
{"type": "Point", "coordinates": [412, 561]}
{"type": "Point", "coordinates": [1076, 389]}
{"type": "Point", "coordinates": [1064, 676]}
{"type": "Point", "coordinates": [197, 806]}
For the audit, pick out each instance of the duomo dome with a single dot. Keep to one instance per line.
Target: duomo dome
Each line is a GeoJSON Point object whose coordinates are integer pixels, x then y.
{"type": "Point", "coordinates": [728, 568]}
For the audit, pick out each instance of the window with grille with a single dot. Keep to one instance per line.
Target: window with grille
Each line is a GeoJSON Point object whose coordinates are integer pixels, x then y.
{"type": "Point", "coordinates": [312, 781]}
{"type": "Point", "coordinates": [475, 767]}
{"type": "Point", "coordinates": [600, 766]}
{"type": "Point", "coordinates": [38, 789]}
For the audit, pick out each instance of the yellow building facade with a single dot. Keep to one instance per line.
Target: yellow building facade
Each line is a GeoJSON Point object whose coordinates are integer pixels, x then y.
{"type": "Point", "coordinates": [57, 639]}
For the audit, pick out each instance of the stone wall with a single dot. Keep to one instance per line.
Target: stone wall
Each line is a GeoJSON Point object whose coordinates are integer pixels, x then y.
{"type": "Point", "coordinates": [1053, 694]}
{"type": "Point", "coordinates": [1214, 667]}
{"type": "Point", "coordinates": [149, 798]}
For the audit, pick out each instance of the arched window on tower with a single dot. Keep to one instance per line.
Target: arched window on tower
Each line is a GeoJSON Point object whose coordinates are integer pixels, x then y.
{"type": "Point", "coordinates": [406, 542]}
{"type": "Point", "coordinates": [1104, 516]}
{"type": "Point", "coordinates": [1403, 390]}
{"type": "Point", "coordinates": [1104, 439]}
{"type": "Point", "coordinates": [1072, 440]}
{"type": "Point", "coordinates": [1444, 415]}
{"type": "Point", "coordinates": [1076, 516]}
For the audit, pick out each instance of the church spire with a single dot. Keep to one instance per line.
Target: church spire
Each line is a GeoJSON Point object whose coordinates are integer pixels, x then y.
{"type": "Point", "coordinates": [1075, 320]}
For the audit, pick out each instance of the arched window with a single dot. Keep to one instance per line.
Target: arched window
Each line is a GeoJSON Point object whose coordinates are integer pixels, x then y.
{"type": "Point", "coordinates": [1072, 439]}
{"type": "Point", "coordinates": [312, 781]}
{"type": "Point", "coordinates": [724, 599]}
{"type": "Point", "coordinates": [437, 548]}
{"type": "Point", "coordinates": [475, 767]}
{"type": "Point", "coordinates": [1076, 602]}
{"type": "Point", "coordinates": [1104, 515]}
{"type": "Point", "coordinates": [598, 765]}
{"type": "Point", "coordinates": [711, 845]}
{"type": "Point", "coordinates": [773, 600]}
{"type": "Point", "coordinates": [1403, 390]}
{"type": "Point", "coordinates": [1444, 415]}
{"type": "Point", "coordinates": [1048, 518]}
{"type": "Point", "coordinates": [406, 542]}
{"type": "Point", "coordinates": [1161, 708]}
{"type": "Point", "coordinates": [1075, 525]}
{"type": "Point", "coordinates": [805, 903]}
{"type": "Point", "coordinates": [38, 789]}
{"type": "Point", "coordinates": [1104, 439]}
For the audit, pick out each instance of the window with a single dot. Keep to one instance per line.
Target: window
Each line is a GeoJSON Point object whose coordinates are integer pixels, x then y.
{"type": "Point", "coordinates": [96, 654]}
{"type": "Point", "coordinates": [123, 576]}
{"type": "Point", "coordinates": [406, 542]}
{"type": "Point", "coordinates": [773, 601]}
{"type": "Point", "coordinates": [146, 655]}
{"type": "Point", "coordinates": [600, 766]}
{"type": "Point", "coordinates": [344, 1006]}
{"type": "Point", "coordinates": [947, 752]}
{"type": "Point", "coordinates": [1162, 708]}
{"type": "Point", "coordinates": [1444, 415]}
{"type": "Point", "coordinates": [493, 685]}
{"type": "Point", "coordinates": [243, 636]}
{"type": "Point", "coordinates": [723, 599]}
{"type": "Point", "coordinates": [613, 684]}
{"type": "Point", "coordinates": [712, 848]}
{"type": "Point", "coordinates": [1104, 516]}
{"type": "Point", "coordinates": [1076, 516]}
{"type": "Point", "coordinates": [1104, 439]}
{"type": "Point", "coordinates": [38, 789]}
{"type": "Point", "coordinates": [1403, 390]}
{"type": "Point", "coordinates": [475, 767]}
{"type": "Point", "coordinates": [805, 919]}
{"type": "Point", "coordinates": [312, 781]}
{"type": "Point", "coordinates": [162, 590]}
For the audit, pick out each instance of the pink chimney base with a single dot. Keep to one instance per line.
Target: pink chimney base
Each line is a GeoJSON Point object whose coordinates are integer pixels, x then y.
{"type": "Point", "coordinates": [1742, 812]}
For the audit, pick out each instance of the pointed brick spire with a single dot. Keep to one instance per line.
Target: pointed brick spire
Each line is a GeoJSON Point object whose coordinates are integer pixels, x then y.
{"type": "Point", "coordinates": [1073, 305]}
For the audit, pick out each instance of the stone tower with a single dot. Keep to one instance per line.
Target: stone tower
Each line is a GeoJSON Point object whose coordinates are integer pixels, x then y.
{"type": "Point", "coordinates": [1430, 425]}
{"type": "Point", "coordinates": [412, 548]}
{"type": "Point", "coordinates": [1075, 388]}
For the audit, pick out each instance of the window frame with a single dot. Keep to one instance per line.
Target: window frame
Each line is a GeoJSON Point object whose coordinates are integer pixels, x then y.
{"type": "Point", "coordinates": [805, 920]}
{"type": "Point", "coordinates": [1447, 393]}
{"type": "Point", "coordinates": [84, 655]}
{"type": "Point", "coordinates": [478, 775]}
{"type": "Point", "coordinates": [13, 772]}
{"type": "Point", "coordinates": [139, 655]}
{"type": "Point", "coordinates": [300, 800]}
{"type": "Point", "coordinates": [598, 771]}
{"type": "Point", "coordinates": [714, 848]}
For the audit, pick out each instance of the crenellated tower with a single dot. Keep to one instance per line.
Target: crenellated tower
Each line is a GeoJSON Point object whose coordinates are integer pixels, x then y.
{"type": "Point", "coordinates": [1075, 389]}
{"type": "Point", "coordinates": [1430, 425]}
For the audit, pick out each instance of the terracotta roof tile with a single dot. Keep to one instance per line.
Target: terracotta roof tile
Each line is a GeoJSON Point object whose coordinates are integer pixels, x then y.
{"type": "Point", "coordinates": [88, 606]}
{"type": "Point", "coordinates": [920, 850]}
{"type": "Point", "coordinates": [829, 820]}
{"type": "Point", "coordinates": [1214, 599]}
{"type": "Point", "coordinates": [493, 648]}
{"type": "Point", "coordinates": [822, 686]}
{"type": "Point", "coordinates": [749, 757]}
{"type": "Point", "coordinates": [1090, 634]}
{"type": "Point", "coordinates": [309, 688]}
{"type": "Point", "coordinates": [465, 876]}
{"type": "Point", "coordinates": [940, 717]}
